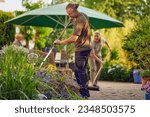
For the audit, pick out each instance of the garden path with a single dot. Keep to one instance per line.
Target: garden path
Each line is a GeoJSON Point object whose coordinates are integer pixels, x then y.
{"type": "Point", "coordinates": [117, 91]}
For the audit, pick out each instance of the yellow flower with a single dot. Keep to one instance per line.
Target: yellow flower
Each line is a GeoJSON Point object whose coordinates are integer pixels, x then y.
{"type": "Point", "coordinates": [51, 67]}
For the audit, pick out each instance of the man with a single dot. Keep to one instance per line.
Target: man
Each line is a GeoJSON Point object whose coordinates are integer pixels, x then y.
{"type": "Point", "coordinates": [95, 59]}
{"type": "Point", "coordinates": [81, 40]}
{"type": "Point", "coordinates": [18, 40]}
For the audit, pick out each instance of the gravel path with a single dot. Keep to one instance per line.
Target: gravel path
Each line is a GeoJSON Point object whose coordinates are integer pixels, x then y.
{"type": "Point", "coordinates": [117, 91]}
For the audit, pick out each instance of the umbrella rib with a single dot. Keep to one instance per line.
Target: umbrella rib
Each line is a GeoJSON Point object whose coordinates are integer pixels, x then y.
{"type": "Point", "coordinates": [28, 20]}
{"type": "Point", "coordinates": [56, 26]}
{"type": "Point", "coordinates": [92, 26]}
{"type": "Point", "coordinates": [60, 19]}
{"type": "Point", "coordinates": [55, 20]}
{"type": "Point", "coordinates": [67, 20]}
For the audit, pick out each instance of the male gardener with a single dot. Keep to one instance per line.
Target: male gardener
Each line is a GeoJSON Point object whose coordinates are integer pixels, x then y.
{"type": "Point", "coordinates": [81, 39]}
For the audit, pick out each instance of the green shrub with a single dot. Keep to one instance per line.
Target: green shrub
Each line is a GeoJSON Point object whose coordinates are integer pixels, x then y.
{"type": "Point", "coordinates": [7, 31]}
{"type": "Point", "coordinates": [114, 55]}
{"type": "Point", "coordinates": [145, 73]}
{"type": "Point", "coordinates": [115, 72]}
{"type": "Point", "coordinates": [104, 52]}
{"type": "Point", "coordinates": [16, 79]}
{"type": "Point", "coordinates": [137, 44]}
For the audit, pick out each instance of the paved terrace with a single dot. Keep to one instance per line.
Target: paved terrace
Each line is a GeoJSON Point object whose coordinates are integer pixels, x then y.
{"type": "Point", "coordinates": [117, 91]}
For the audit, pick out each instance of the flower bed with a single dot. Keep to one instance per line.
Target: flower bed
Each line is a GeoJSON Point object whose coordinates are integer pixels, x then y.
{"type": "Point", "coordinates": [20, 79]}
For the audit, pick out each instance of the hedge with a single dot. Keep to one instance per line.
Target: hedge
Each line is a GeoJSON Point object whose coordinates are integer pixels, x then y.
{"type": "Point", "coordinates": [137, 44]}
{"type": "Point", "coordinates": [7, 31]}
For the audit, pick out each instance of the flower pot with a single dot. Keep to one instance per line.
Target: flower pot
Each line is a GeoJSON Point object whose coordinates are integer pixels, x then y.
{"type": "Point", "coordinates": [136, 76]}
{"type": "Point", "coordinates": [147, 96]}
{"type": "Point", "coordinates": [144, 80]}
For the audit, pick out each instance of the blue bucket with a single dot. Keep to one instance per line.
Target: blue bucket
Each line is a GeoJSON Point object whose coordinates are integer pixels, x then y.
{"type": "Point", "coordinates": [147, 96]}
{"type": "Point", "coordinates": [136, 76]}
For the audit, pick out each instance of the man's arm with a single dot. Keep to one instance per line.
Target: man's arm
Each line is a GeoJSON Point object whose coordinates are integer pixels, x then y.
{"type": "Point", "coordinates": [72, 39]}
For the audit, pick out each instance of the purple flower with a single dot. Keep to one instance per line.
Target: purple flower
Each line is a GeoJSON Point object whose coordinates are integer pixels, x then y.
{"type": "Point", "coordinates": [64, 95]}
{"type": "Point", "coordinates": [40, 74]}
{"type": "Point", "coordinates": [136, 71]}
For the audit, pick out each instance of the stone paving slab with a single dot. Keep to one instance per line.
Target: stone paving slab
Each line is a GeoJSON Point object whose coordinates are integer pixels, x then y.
{"type": "Point", "coordinates": [117, 91]}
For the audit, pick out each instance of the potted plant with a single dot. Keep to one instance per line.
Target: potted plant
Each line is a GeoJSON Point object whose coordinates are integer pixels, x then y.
{"type": "Point", "coordinates": [145, 74]}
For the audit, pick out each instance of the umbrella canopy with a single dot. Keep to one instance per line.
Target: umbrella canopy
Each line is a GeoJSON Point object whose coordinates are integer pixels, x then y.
{"type": "Point", "coordinates": [55, 16]}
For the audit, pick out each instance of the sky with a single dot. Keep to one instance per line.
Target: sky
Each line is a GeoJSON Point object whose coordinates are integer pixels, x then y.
{"type": "Point", "coordinates": [12, 5]}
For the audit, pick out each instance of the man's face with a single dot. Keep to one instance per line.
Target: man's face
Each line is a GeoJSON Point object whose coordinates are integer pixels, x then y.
{"type": "Point", "coordinates": [19, 37]}
{"type": "Point", "coordinates": [71, 13]}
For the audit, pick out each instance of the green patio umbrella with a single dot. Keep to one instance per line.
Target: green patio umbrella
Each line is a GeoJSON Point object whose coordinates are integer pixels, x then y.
{"type": "Point", "coordinates": [55, 16]}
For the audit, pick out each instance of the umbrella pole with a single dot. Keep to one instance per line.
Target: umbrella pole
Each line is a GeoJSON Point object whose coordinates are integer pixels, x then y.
{"type": "Point", "coordinates": [65, 27]}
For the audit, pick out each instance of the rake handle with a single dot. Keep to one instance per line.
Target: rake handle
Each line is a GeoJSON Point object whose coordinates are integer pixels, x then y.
{"type": "Point", "coordinates": [99, 71]}
{"type": "Point", "coordinates": [65, 27]}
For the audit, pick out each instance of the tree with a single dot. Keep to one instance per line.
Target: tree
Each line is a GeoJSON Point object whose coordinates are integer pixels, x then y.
{"type": "Point", "coordinates": [7, 31]}
{"type": "Point", "coordinates": [62, 1]}
{"type": "Point", "coordinates": [137, 44]}
{"type": "Point", "coordinates": [58, 1]}
{"type": "Point", "coordinates": [40, 33]}
{"type": "Point", "coordinates": [121, 9]}
{"type": "Point", "coordinates": [29, 5]}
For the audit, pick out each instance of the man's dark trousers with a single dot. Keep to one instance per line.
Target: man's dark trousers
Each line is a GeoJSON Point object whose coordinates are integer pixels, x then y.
{"type": "Point", "coordinates": [81, 60]}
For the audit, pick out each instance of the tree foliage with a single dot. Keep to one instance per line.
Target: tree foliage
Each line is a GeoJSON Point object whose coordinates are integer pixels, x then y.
{"type": "Point", "coordinates": [41, 34]}
{"type": "Point", "coordinates": [137, 44]}
{"type": "Point", "coordinates": [29, 5]}
{"type": "Point", "coordinates": [62, 1]}
{"type": "Point", "coordinates": [7, 31]}
{"type": "Point", "coordinates": [121, 9]}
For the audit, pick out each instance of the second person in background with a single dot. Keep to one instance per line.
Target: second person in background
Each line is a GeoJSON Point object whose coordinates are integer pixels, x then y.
{"type": "Point", "coordinates": [95, 59]}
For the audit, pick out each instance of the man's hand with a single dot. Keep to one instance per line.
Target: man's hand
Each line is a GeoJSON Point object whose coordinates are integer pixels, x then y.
{"type": "Point", "coordinates": [57, 42]}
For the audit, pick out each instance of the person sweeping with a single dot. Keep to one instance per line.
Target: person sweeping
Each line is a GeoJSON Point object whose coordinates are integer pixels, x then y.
{"type": "Point", "coordinates": [95, 59]}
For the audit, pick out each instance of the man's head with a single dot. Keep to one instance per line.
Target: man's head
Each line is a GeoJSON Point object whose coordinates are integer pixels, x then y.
{"type": "Point", "coordinates": [18, 37]}
{"type": "Point", "coordinates": [97, 36]}
{"type": "Point", "coordinates": [71, 10]}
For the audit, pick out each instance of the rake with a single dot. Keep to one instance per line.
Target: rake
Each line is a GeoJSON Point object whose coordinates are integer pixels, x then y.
{"type": "Point", "coordinates": [65, 27]}
{"type": "Point", "coordinates": [93, 87]}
